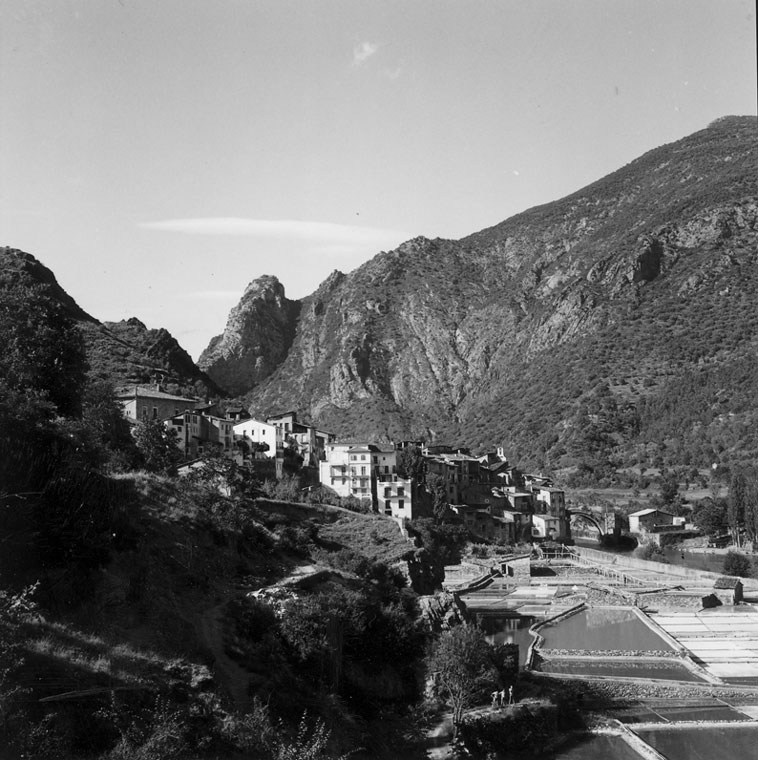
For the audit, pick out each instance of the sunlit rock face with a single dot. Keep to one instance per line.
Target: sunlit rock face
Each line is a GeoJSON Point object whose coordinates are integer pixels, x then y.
{"type": "Point", "coordinates": [256, 339]}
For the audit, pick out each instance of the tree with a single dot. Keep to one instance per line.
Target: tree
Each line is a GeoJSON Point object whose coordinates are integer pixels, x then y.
{"type": "Point", "coordinates": [710, 515]}
{"type": "Point", "coordinates": [435, 485]}
{"type": "Point", "coordinates": [217, 472]}
{"type": "Point", "coordinates": [103, 431]}
{"type": "Point", "coordinates": [737, 500]}
{"type": "Point", "coordinates": [437, 545]}
{"type": "Point", "coordinates": [410, 464]}
{"type": "Point", "coordinates": [669, 488]}
{"type": "Point", "coordinates": [158, 446]}
{"type": "Point", "coordinates": [462, 669]}
{"type": "Point", "coordinates": [737, 564]}
{"type": "Point", "coordinates": [43, 349]}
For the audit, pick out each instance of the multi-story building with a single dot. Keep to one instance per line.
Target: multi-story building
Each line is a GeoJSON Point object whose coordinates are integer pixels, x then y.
{"type": "Point", "coordinates": [307, 440]}
{"type": "Point", "coordinates": [149, 402]}
{"type": "Point", "coordinates": [197, 434]}
{"type": "Point", "coordinates": [367, 472]}
{"type": "Point", "coordinates": [394, 495]}
{"type": "Point", "coordinates": [458, 472]}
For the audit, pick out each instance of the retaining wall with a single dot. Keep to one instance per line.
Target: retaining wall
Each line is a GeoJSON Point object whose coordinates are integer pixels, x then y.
{"type": "Point", "coordinates": [626, 561]}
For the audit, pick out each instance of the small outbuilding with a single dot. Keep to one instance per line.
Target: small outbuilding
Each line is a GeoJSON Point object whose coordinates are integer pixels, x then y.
{"type": "Point", "coordinates": [728, 589]}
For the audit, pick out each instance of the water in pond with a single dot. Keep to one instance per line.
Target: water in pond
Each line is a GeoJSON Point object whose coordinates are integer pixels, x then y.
{"type": "Point", "coordinates": [712, 743]}
{"type": "Point", "coordinates": [602, 629]}
{"type": "Point", "coordinates": [507, 629]}
{"type": "Point", "coordinates": [620, 668]}
{"type": "Point", "coordinates": [597, 747]}
{"type": "Point", "coordinates": [711, 561]}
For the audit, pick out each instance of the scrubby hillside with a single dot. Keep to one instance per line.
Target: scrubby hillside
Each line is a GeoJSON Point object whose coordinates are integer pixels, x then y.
{"type": "Point", "coordinates": [117, 352]}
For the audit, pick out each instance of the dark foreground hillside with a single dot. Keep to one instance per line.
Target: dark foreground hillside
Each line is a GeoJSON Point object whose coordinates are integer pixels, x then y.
{"type": "Point", "coordinates": [156, 649]}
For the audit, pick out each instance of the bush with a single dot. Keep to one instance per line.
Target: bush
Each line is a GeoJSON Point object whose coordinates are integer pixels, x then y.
{"type": "Point", "coordinates": [651, 552]}
{"type": "Point", "coordinates": [737, 564]}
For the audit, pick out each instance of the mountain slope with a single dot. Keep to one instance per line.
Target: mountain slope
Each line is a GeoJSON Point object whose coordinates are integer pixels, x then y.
{"type": "Point", "coordinates": [121, 352]}
{"type": "Point", "coordinates": [525, 332]}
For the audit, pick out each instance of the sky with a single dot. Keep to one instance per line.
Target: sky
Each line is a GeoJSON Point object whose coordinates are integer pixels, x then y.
{"type": "Point", "coordinates": [159, 155]}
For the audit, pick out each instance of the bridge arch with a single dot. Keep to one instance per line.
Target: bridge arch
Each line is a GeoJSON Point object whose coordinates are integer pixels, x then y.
{"type": "Point", "coordinates": [589, 519]}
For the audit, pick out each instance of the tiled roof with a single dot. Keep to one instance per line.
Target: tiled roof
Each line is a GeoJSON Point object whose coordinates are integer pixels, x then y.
{"type": "Point", "coordinates": [726, 582]}
{"type": "Point", "coordinates": [147, 393]}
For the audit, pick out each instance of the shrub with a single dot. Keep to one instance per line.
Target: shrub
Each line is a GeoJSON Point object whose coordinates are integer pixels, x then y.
{"type": "Point", "coordinates": [737, 564]}
{"type": "Point", "coordinates": [650, 551]}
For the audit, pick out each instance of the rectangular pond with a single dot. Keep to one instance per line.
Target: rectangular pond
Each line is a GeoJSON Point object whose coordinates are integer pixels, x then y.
{"type": "Point", "coordinates": [707, 743]}
{"type": "Point", "coordinates": [597, 747]}
{"type": "Point", "coordinates": [603, 629]}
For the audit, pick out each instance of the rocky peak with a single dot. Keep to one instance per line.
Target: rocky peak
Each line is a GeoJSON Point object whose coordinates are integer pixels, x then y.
{"type": "Point", "coordinates": [258, 334]}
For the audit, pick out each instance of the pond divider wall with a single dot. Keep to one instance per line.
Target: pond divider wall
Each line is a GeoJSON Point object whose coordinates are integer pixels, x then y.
{"type": "Point", "coordinates": [537, 638]}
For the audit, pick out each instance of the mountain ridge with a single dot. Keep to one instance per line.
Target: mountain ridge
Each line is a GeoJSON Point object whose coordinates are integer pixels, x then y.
{"type": "Point", "coordinates": [566, 333]}
{"type": "Point", "coordinates": [123, 352]}
{"type": "Point", "coordinates": [422, 340]}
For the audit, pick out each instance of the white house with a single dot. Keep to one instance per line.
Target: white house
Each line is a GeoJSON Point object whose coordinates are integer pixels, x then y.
{"type": "Point", "coordinates": [256, 431]}
{"type": "Point", "coordinates": [354, 469]}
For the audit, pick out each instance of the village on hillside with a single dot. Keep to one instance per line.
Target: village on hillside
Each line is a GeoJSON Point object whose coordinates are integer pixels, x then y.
{"type": "Point", "coordinates": [495, 500]}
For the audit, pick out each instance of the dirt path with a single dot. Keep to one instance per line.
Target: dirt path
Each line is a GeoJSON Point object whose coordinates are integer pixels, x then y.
{"type": "Point", "coordinates": [232, 678]}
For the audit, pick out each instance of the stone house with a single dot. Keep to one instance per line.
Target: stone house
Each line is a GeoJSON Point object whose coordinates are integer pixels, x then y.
{"type": "Point", "coordinates": [648, 520]}
{"type": "Point", "coordinates": [198, 433]}
{"type": "Point", "coordinates": [728, 590]}
{"type": "Point", "coordinates": [458, 472]}
{"type": "Point", "coordinates": [149, 402]}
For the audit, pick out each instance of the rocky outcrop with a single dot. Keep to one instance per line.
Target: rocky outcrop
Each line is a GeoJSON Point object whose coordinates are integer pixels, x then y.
{"type": "Point", "coordinates": [256, 340]}
{"type": "Point", "coordinates": [441, 612]}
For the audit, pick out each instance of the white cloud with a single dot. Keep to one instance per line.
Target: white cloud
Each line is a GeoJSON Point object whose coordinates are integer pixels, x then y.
{"type": "Point", "coordinates": [364, 51]}
{"type": "Point", "coordinates": [326, 234]}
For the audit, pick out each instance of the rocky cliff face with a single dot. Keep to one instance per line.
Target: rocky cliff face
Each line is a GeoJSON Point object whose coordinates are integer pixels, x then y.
{"type": "Point", "coordinates": [504, 335]}
{"type": "Point", "coordinates": [258, 334]}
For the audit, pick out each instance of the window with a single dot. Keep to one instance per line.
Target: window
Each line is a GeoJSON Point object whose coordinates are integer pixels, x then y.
{"type": "Point", "coordinates": [363, 470]}
{"type": "Point", "coordinates": [363, 457]}
{"type": "Point", "coordinates": [400, 504]}
{"type": "Point", "coordinates": [387, 491]}
{"type": "Point", "coordinates": [401, 491]}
